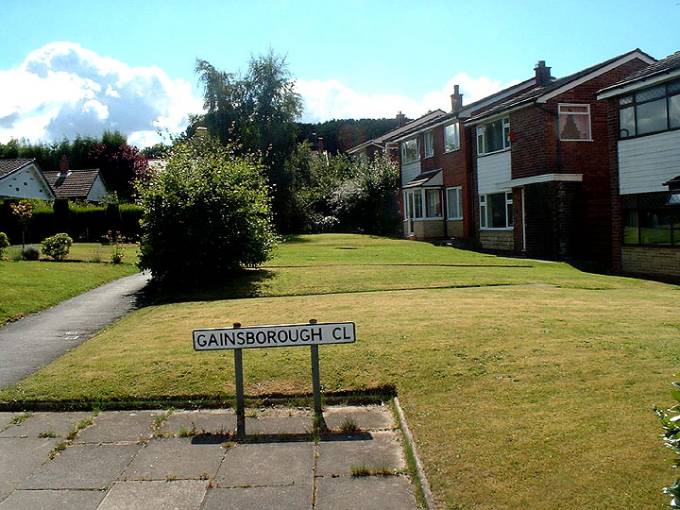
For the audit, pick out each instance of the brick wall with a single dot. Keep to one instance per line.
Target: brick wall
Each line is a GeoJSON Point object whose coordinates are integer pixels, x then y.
{"type": "Point", "coordinates": [430, 229]}
{"type": "Point", "coordinates": [654, 261]}
{"type": "Point", "coordinates": [500, 240]}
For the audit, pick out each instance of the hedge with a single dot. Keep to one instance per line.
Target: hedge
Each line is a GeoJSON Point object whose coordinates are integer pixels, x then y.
{"type": "Point", "coordinates": [81, 222]}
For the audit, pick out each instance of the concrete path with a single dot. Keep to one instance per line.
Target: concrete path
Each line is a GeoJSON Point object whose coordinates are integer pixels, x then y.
{"type": "Point", "coordinates": [185, 460]}
{"type": "Point", "coordinates": [30, 343]}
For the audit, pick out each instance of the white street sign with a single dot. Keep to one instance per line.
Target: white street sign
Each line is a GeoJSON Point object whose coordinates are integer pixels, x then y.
{"type": "Point", "coordinates": [292, 335]}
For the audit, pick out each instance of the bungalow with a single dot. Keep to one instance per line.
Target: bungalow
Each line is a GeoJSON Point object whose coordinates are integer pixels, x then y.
{"type": "Point", "coordinates": [22, 178]}
{"type": "Point", "coordinates": [69, 184]}
{"type": "Point", "coordinates": [540, 165]}
{"type": "Point", "coordinates": [644, 130]}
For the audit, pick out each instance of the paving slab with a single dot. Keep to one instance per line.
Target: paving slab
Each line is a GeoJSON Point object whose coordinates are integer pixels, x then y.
{"type": "Point", "coordinates": [280, 422]}
{"type": "Point", "coordinates": [53, 500]}
{"type": "Point", "coordinates": [82, 467]}
{"type": "Point", "coordinates": [59, 424]}
{"type": "Point", "coordinates": [64, 326]}
{"type": "Point", "coordinates": [175, 459]}
{"type": "Point", "coordinates": [177, 495]}
{"type": "Point", "coordinates": [380, 450]}
{"type": "Point", "coordinates": [202, 422]}
{"type": "Point", "coordinates": [119, 426]}
{"type": "Point", "coordinates": [365, 417]}
{"type": "Point", "coordinates": [289, 497]}
{"type": "Point", "coordinates": [267, 464]}
{"type": "Point", "coordinates": [367, 493]}
{"type": "Point", "coordinates": [6, 419]}
{"type": "Point", "coordinates": [19, 458]}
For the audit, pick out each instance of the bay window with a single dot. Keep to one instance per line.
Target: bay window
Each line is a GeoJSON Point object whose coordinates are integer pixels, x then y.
{"type": "Point", "coordinates": [493, 136]}
{"type": "Point", "coordinates": [495, 210]}
{"type": "Point", "coordinates": [433, 203]}
{"type": "Point", "coordinates": [423, 203]}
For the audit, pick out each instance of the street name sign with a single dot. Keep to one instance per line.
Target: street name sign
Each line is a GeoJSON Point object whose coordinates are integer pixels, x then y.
{"type": "Point", "coordinates": [290, 335]}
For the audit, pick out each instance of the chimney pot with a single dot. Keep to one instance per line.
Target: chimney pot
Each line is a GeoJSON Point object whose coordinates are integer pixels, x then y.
{"type": "Point", "coordinates": [456, 100]}
{"type": "Point", "coordinates": [63, 164]}
{"type": "Point", "coordinates": [401, 118]}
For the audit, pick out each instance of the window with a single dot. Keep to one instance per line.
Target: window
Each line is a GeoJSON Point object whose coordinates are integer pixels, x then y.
{"type": "Point", "coordinates": [433, 203]}
{"type": "Point", "coordinates": [454, 203]}
{"type": "Point", "coordinates": [654, 227]}
{"type": "Point", "coordinates": [417, 204]}
{"type": "Point", "coordinates": [495, 211]}
{"type": "Point", "coordinates": [651, 110]}
{"type": "Point", "coordinates": [451, 137]}
{"type": "Point", "coordinates": [409, 151]}
{"type": "Point", "coordinates": [494, 136]}
{"type": "Point", "coordinates": [429, 144]}
{"type": "Point", "coordinates": [574, 122]}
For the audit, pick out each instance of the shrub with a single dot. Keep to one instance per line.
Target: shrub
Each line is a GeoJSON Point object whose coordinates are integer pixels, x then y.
{"type": "Point", "coordinates": [205, 216]}
{"type": "Point", "coordinates": [57, 246]}
{"type": "Point", "coordinates": [4, 243]}
{"type": "Point", "coordinates": [30, 253]}
{"type": "Point", "coordinates": [670, 421]}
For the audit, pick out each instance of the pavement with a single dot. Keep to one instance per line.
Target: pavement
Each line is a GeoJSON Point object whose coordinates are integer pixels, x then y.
{"type": "Point", "coordinates": [30, 343]}
{"type": "Point", "coordinates": [188, 460]}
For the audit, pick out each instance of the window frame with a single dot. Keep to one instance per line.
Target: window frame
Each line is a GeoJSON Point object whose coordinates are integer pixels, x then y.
{"type": "Point", "coordinates": [674, 232]}
{"type": "Point", "coordinates": [590, 122]}
{"type": "Point", "coordinates": [633, 104]}
{"type": "Point", "coordinates": [420, 203]}
{"type": "Point", "coordinates": [428, 135]}
{"type": "Point", "coordinates": [404, 160]}
{"type": "Point", "coordinates": [480, 132]}
{"type": "Point", "coordinates": [457, 137]}
{"type": "Point", "coordinates": [459, 192]}
{"type": "Point", "coordinates": [484, 205]}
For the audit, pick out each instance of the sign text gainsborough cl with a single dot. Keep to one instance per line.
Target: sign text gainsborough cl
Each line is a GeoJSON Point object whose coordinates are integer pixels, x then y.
{"type": "Point", "coordinates": [274, 336]}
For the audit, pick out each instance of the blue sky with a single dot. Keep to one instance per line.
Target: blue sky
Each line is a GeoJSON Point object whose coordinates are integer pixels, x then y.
{"type": "Point", "coordinates": [351, 57]}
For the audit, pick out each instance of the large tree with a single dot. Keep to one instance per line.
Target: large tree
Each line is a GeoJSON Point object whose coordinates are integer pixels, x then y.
{"type": "Point", "coordinates": [256, 111]}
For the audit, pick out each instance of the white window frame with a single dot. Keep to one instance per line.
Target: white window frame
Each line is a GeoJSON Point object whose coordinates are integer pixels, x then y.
{"type": "Point", "coordinates": [590, 122]}
{"type": "Point", "coordinates": [404, 160]}
{"type": "Point", "coordinates": [420, 193]}
{"type": "Point", "coordinates": [428, 143]}
{"type": "Point", "coordinates": [441, 203]}
{"type": "Point", "coordinates": [481, 145]}
{"type": "Point", "coordinates": [457, 137]}
{"type": "Point", "coordinates": [483, 216]}
{"type": "Point", "coordinates": [459, 213]}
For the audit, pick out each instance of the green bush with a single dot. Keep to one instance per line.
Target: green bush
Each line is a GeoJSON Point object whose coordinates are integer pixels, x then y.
{"type": "Point", "coordinates": [57, 246]}
{"type": "Point", "coordinates": [670, 421]}
{"type": "Point", "coordinates": [205, 216]}
{"type": "Point", "coordinates": [30, 253]}
{"type": "Point", "coordinates": [4, 243]}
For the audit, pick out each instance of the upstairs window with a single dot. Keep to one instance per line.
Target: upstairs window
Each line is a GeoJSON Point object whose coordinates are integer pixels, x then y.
{"type": "Point", "coordinates": [651, 110]}
{"type": "Point", "coordinates": [451, 137]}
{"type": "Point", "coordinates": [409, 151]}
{"type": "Point", "coordinates": [429, 144]}
{"type": "Point", "coordinates": [493, 137]}
{"type": "Point", "coordinates": [574, 121]}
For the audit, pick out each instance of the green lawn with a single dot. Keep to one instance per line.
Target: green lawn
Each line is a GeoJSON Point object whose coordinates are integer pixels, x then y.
{"type": "Point", "coordinates": [30, 286]}
{"type": "Point", "coordinates": [532, 395]}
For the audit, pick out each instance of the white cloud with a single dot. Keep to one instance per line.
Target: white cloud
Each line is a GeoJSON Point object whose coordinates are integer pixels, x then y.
{"type": "Point", "coordinates": [63, 90]}
{"type": "Point", "coordinates": [331, 99]}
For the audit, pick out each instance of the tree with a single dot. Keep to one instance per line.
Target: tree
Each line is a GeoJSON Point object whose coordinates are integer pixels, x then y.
{"type": "Point", "coordinates": [256, 113]}
{"type": "Point", "coordinates": [23, 212]}
{"type": "Point", "coordinates": [206, 215]}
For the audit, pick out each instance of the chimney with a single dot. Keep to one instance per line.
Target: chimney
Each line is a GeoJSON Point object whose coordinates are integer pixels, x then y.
{"type": "Point", "coordinates": [401, 119]}
{"type": "Point", "coordinates": [542, 73]}
{"type": "Point", "coordinates": [319, 144]}
{"type": "Point", "coordinates": [456, 100]}
{"type": "Point", "coordinates": [202, 132]}
{"type": "Point", "coordinates": [63, 164]}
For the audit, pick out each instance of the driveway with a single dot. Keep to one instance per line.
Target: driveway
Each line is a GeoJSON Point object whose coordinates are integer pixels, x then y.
{"type": "Point", "coordinates": [30, 343]}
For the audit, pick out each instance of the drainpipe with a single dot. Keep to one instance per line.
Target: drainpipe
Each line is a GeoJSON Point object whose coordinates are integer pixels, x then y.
{"type": "Point", "coordinates": [524, 225]}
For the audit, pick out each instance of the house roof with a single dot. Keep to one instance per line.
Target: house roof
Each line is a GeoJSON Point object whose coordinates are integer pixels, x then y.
{"type": "Point", "coordinates": [8, 166]}
{"type": "Point", "coordinates": [555, 86]}
{"type": "Point", "coordinates": [430, 177]}
{"type": "Point", "coordinates": [395, 133]}
{"type": "Point", "coordinates": [75, 184]}
{"type": "Point", "coordinates": [665, 65]}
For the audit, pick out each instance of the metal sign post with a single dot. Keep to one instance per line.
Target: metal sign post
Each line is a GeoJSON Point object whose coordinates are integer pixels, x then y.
{"type": "Point", "coordinates": [240, 408]}
{"type": "Point", "coordinates": [238, 338]}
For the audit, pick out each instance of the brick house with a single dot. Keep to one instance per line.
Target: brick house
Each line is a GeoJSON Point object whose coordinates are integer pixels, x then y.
{"type": "Point", "coordinates": [540, 165]}
{"type": "Point", "coordinates": [644, 150]}
{"type": "Point", "coordinates": [435, 167]}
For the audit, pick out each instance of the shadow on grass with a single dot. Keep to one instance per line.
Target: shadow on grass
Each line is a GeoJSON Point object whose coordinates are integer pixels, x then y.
{"type": "Point", "coordinates": [295, 239]}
